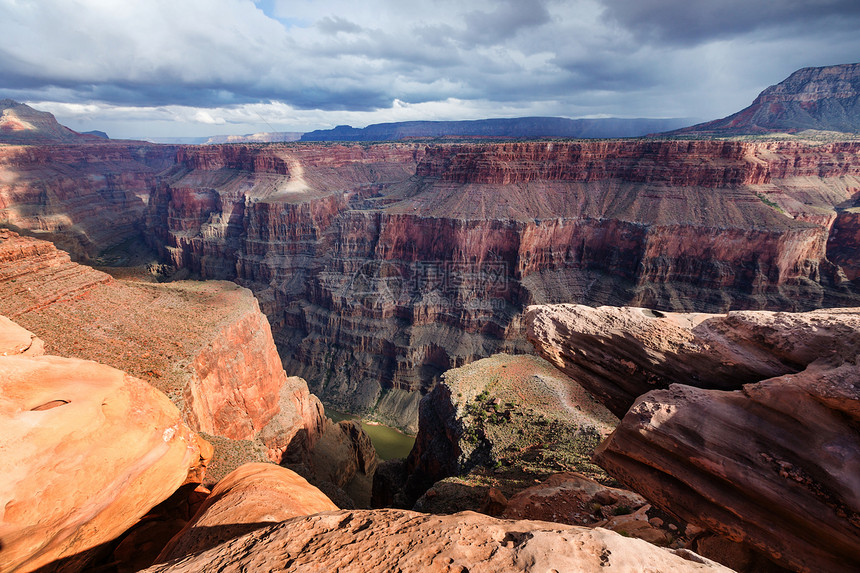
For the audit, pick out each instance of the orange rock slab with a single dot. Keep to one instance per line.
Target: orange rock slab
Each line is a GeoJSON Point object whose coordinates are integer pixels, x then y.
{"type": "Point", "coordinates": [248, 498]}
{"type": "Point", "coordinates": [85, 451]}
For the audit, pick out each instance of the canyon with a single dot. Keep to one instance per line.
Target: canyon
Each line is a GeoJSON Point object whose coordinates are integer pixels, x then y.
{"type": "Point", "coordinates": [381, 266]}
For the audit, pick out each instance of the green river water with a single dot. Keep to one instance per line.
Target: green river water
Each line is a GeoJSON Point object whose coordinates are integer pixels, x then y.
{"type": "Point", "coordinates": [389, 442]}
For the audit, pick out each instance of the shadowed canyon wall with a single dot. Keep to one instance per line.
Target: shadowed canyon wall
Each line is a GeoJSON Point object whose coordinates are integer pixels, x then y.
{"type": "Point", "coordinates": [381, 266]}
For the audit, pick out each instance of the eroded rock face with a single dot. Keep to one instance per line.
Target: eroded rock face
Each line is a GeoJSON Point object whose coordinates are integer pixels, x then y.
{"type": "Point", "coordinates": [250, 497]}
{"type": "Point", "coordinates": [85, 198]}
{"type": "Point", "coordinates": [382, 266]}
{"type": "Point", "coordinates": [386, 540]}
{"type": "Point", "coordinates": [772, 463]}
{"type": "Point", "coordinates": [620, 353]}
{"type": "Point", "coordinates": [87, 450]}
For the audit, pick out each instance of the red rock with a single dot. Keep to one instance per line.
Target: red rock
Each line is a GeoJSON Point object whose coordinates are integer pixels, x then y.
{"type": "Point", "coordinates": [423, 264]}
{"type": "Point", "coordinates": [388, 540]}
{"type": "Point", "coordinates": [87, 450]}
{"type": "Point", "coordinates": [83, 197]}
{"type": "Point", "coordinates": [619, 354]}
{"type": "Point", "coordinates": [249, 498]}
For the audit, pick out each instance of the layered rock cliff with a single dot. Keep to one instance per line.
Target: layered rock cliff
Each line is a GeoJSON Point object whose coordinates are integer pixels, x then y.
{"type": "Point", "coordinates": [84, 198]}
{"type": "Point", "coordinates": [206, 345]}
{"type": "Point", "coordinates": [380, 267]}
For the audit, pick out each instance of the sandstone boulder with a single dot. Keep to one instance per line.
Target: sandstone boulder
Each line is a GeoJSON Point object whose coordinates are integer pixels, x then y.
{"type": "Point", "coordinates": [620, 353]}
{"type": "Point", "coordinates": [774, 465]}
{"type": "Point", "coordinates": [395, 540]}
{"type": "Point", "coordinates": [250, 497]}
{"type": "Point", "coordinates": [572, 498]}
{"type": "Point", "coordinates": [15, 339]}
{"type": "Point", "coordinates": [86, 451]}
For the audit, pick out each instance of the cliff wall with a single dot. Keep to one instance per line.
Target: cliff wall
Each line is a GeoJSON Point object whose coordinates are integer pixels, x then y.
{"type": "Point", "coordinates": [83, 198]}
{"type": "Point", "coordinates": [380, 267]}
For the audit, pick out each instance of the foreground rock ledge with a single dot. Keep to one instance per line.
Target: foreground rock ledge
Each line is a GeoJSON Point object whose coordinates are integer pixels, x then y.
{"type": "Point", "coordinates": [248, 498]}
{"type": "Point", "coordinates": [775, 465]}
{"type": "Point", "coordinates": [85, 451]}
{"type": "Point", "coordinates": [395, 540]}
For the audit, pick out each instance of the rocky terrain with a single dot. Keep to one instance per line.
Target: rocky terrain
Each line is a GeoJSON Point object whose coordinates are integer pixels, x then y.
{"type": "Point", "coordinates": [389, 540]}
{"type": "Point", "coordinates": [84, 198]}
{"type": "Point", "coordinates": [380, 267]}
{"type": "Point", "coordinates": [501, 422]}
{"type": "Point", "coordinates": [824, 99]}
{"type": "Point", "coordinates": [744, 424]}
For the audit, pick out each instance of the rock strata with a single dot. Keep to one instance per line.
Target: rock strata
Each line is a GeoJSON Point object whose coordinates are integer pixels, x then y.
{"type": "Point", "coordinates": [87, 450]}
{"type": "Point", "coordinates": [406, 261]}
{"type": "Point", "coordinates": [393, 540]}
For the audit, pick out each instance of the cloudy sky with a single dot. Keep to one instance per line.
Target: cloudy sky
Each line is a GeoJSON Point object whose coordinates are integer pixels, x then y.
{"type": "Point", "coordinates": [148, 68]}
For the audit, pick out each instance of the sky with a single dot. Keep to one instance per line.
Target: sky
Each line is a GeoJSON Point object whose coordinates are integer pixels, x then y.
{"type": "Point", "coordinates": [168, 68]}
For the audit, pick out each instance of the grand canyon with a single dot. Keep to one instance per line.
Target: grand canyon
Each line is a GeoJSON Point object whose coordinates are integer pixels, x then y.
{"type": "Point", "coordinates": [555, 320]}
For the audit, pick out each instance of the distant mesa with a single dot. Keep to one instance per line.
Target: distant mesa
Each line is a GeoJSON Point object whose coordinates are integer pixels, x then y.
{"type": "Point", "coordinates": [823, 99]}
{"type": "Point", "coordinates": [20, 124]}
{"type": "Point", "coordinates": [513, 128]}
{"type": "Point", "coordinates": [97, 133]}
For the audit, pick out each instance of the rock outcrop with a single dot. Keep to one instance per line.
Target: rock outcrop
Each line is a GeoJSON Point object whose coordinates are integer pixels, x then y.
{"type": "Point", "coordinates": [206, 345]}
{"type": "Point", "coordinates": [87, 450]}
{"type": "Point", "coordinates": [826, 98]}
{"type": "Point", "coordinates": [505, 415]}
{"type": "Point", "coordinates": [250, 497]}
{"type": "Point", "coordinates": [392, 540]}
{"type": "Point", "coordinates": [771, 463]}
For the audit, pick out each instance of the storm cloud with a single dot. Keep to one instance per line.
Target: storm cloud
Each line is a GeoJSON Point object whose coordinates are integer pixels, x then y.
{"type": "Point", "coordinates": [162, 67]}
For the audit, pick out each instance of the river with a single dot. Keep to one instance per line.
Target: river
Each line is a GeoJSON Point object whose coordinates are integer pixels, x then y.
{"type": "Point", "coordinates": [389, 442]}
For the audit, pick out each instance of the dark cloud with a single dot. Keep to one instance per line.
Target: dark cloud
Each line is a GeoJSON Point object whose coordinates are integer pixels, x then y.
{"type": "Point", "coordinates": [691, 22]}
{"type": "Point", "coordinates": [385, 59]}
